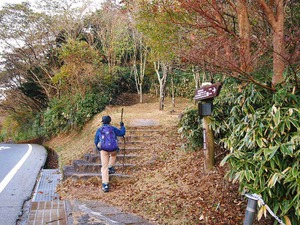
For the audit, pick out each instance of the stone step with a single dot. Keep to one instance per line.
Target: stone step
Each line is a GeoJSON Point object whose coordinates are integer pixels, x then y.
{"type": "Point", "coordinates": [95, 158]}
{"type": "Point", "coordinates": [134, 137]}
{"type": "Point", "coordinates": [129, 149]}
{"type": "Point", "coordinates": [85, 166]}
{"type": "Point", "coordinates": [137, 143]}
{"type": "Point", "coordinates": [141, 132]}
{"type": "Point", "coordinates": [137, 140]}
{"type": "Point", "coordinates": [69, 172]}
{"type": "Point", "coordinates": [143, 128]}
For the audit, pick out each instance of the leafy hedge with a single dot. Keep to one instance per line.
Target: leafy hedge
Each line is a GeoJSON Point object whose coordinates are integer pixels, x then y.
{"type": "Point", "coordinates": [71, 112]}
{"type": "Point", "coordinates": [264, 142]}
{"type": "Point", "coordinates": [261, 129]}
{"type": "Point", "coordinates": [190, 128]}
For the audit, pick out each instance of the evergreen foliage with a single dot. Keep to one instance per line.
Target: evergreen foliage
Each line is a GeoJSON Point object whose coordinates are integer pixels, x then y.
{"type": "Point", "coordinates": [71, 112]}
{"type": "Point", "coordinates": [261, 129]}
{"type": "Point", "coordinates": [190, 128]}
{"type": "Point", "coordinates": [263, 133]}
{"type": "Point", "coordinates": [184, 84]}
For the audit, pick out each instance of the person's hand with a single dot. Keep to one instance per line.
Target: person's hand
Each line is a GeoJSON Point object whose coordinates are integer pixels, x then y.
{"type": "Point", "coordinates": [121, 124]}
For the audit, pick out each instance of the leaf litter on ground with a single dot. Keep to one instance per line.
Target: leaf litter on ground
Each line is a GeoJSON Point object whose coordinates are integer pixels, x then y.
{"type": "Point", "coordinates": [169, 185]}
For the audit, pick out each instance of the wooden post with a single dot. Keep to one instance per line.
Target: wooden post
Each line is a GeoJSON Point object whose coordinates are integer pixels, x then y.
{"type": "Point", "coordinates": [208, 144]}
{"type": "Point", "coordinates": [207, 93]}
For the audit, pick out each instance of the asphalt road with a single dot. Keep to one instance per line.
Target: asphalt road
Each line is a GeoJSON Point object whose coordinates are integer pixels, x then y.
{"type": "Point", "coordinates": [20, 165]}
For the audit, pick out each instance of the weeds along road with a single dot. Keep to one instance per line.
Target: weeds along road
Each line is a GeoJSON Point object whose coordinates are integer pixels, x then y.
{"type": "Point", "coordinates": [20, 165]}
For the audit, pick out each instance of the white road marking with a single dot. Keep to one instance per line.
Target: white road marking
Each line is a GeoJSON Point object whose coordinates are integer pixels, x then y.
{"type": "Point", "coordinates": [3, 148]}
{"type": "Point", "coordinates": [14, 170]}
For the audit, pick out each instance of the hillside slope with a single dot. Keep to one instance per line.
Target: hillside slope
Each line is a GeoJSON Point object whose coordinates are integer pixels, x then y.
{"type": "Point", "coordinates": [172, 190]}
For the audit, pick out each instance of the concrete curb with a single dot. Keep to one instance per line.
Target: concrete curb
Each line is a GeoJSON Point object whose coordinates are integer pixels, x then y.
{"type": "Point", "coordinates": [96, 212]}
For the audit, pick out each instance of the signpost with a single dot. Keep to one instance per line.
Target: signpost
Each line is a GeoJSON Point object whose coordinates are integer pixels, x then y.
{"type": "Point", "coordinates": [206, 95]}
{"type": "Point", "coordinates": [208, 91]}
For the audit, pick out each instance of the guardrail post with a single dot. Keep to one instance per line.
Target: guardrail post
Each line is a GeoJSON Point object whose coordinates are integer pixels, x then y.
{"type": "Point", "coordinates": [251, 210]}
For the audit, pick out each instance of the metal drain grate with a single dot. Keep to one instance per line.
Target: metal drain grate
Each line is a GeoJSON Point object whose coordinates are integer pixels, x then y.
{"type": "Point", "coordinates": [46, 186]}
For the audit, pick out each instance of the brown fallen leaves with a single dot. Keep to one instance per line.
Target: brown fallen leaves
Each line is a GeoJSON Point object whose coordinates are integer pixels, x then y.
{"type": "Point", "coordinates": [169, 184]}
{"type": "Point", "coordinates": [173, 190]}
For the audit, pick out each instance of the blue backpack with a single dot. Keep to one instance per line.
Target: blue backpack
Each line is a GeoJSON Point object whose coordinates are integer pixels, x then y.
{"type": "Point", "coordinates": [108, 140]}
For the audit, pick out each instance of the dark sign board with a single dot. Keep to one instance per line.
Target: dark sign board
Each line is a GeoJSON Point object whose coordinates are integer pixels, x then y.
{"type": "Point", "coordinates": [208, 91]}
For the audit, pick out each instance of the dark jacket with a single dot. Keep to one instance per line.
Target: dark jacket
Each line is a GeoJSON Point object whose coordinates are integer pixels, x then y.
{"type": "Point", "coordinates": [118, 132]}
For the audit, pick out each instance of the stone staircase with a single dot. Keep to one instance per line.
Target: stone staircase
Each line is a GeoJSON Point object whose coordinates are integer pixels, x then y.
{"type": "Point", "coordinates": [137, 140]}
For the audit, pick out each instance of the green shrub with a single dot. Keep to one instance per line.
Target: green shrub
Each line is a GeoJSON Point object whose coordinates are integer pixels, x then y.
{"type": "Point", "coordinates": [67, 112]}
{"type": "Point", "coordinates": [264, 141]}
{"type": "Point", "coordinates": [190, 128]}
{"type": "Point", "coordinates": [184, 84]}
{"type": "Point", "coordinates": [126, 83]}
{"type": "Point", "coordinates": [261, 129]}
{"type": "Point", "coordinates": [16, 129]}
{"type": "Point", "coordinates": [87, 107]}
{"type": "Point", "coordinates": [71, 112]}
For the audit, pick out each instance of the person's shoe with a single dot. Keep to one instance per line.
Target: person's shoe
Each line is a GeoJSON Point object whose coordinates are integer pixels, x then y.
{"type": "Point", "coordinates": [111, 170]}
{"type": "Point", "coordinates": [105, 187]}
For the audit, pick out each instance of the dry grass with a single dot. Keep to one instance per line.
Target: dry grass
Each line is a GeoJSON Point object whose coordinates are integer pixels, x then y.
{"type": "Point", "coordinates": [74, 145]}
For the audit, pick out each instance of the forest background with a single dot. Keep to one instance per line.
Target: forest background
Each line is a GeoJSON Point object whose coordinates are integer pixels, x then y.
{"type": "Point", "coordinates": [62, 63]}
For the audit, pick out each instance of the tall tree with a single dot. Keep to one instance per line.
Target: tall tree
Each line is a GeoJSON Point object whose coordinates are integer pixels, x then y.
{"type": "Point", "coordinates": [81, 68]}
{"type": "Point", "coordinates": [26, 39]}
{"type": "Point", "coordinates": [160, 38]}
{"type": "Point", "coordinates": [237, 38]}
{"type": "Point", "coordinates": [31, 40]}
{"type": "Point", "coordinates": [111, 29]}
{"type": "Point", "coordinates": [139, 60]}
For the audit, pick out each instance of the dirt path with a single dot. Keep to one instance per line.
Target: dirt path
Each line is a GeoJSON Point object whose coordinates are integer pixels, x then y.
{"type": "Point", "coordinates": [143, 122]}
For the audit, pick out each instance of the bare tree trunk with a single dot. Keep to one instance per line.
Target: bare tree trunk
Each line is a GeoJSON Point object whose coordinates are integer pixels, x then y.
{"type": "Point", "coordinates": [142, 50]}
{"type": "Point", "coordinates": [141, 93]}
{"type": "Point", "coordinates": [196, 75]}
{"type": "Point", "coordinates": [279, 63]}
{"type": "Point", "coordinates": [143, 60]}
{"type": "Point", "coordinates": [244, 32]}
{"type": "Point", "coordinates": [162, 81]}
{"type": "Point", "coordinates": [172, 86]}
{"type": "Point", "coordinates": [173, 92]}
{"type": "Point", "coordinates": [275, 15]}
{"type": "Point", "coordinates": [161, 99]}
{"type": "Point", "coordinates": [138, 81]}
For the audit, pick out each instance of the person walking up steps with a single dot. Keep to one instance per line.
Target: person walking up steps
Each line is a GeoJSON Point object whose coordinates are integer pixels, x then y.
{"type": "Point", "coordinates": [106, 142]}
